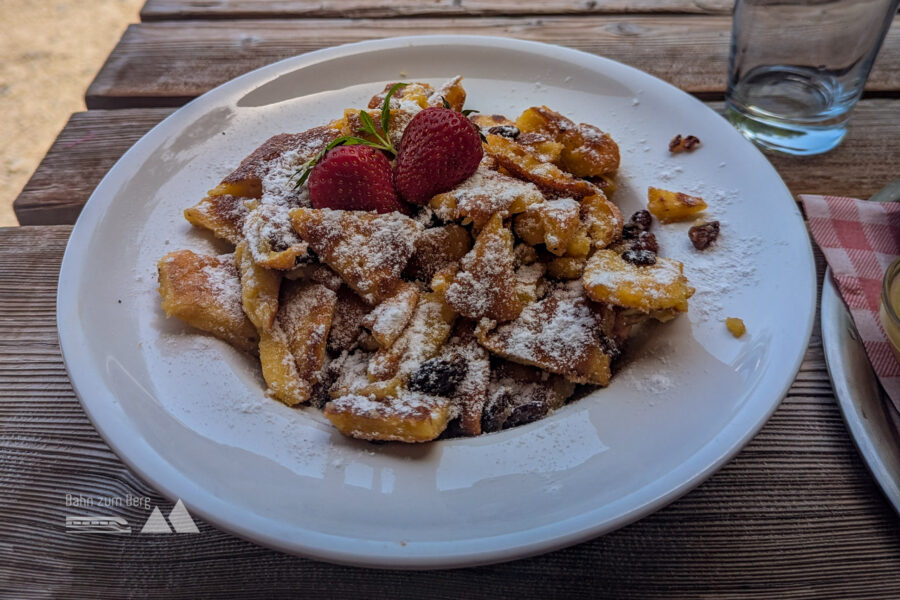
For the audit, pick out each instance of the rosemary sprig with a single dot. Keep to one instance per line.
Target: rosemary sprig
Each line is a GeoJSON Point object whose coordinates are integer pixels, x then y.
{"type": "Point", "coordinates": [383, 140]}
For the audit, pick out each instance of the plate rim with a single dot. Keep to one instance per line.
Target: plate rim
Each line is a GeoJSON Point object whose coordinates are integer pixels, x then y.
{"type": "Point", "coordinates": [135, 456]}
{"type": "Point", "coordinates": [863, 431]}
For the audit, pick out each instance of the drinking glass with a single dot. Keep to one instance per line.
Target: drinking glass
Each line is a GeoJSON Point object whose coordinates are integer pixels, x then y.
{"type": "Point", "coordinates": [797, 68]}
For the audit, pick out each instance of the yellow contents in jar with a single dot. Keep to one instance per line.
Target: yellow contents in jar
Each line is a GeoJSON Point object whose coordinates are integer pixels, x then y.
{"type": "Point", "coordinates": [888, 315]}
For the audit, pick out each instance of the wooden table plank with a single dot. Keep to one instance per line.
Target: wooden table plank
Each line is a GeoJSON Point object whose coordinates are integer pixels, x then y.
{"type": "Point", "coordinates": [794, 515]}
{"type": "Point", "coordinates": [86, 148]}
{"type": "Point", "coordinates": [168, 63]}
{"type": "Point", "coordinates": [167, 10]}
{"type": "Point", "coordinates": [92, 141]}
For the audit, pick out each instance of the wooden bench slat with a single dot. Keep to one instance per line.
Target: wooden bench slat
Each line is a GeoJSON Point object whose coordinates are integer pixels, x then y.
{"type": "Point", "coordinates": [167, 10]}
{"type": "Point", "coordinates": [93, 141]}
{"type": "Point", "coordinates": [168, 63]}
{"type": "Point", "coordinates": [794, 515]}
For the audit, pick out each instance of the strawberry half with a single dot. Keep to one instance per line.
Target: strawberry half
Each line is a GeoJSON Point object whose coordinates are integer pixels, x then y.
{"type": "Point", "coordinates": [353, 178]}
{"type": "Point", "coordinates": [439, 149]}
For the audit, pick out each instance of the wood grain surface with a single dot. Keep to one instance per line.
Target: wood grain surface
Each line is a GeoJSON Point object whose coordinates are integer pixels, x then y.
{"type": "Point", "coordinates": [168, 63]}
{"type": "Point", "coordinates": [157, 10]}
{"type": "Point", "coordinates": [93, 141]}
{"type": "Point", "coordinates": [794, 515]}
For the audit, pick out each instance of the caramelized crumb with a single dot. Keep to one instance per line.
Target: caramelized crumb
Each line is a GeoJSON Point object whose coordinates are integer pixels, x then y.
{"type": "Point", "coordinates": [683, 144]}
{"type": "Point", "coordinates": [735, 326]}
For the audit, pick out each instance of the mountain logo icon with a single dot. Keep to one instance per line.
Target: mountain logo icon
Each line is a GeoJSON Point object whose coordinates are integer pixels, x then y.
{"type": "Point", "coordinates": [179, 518]}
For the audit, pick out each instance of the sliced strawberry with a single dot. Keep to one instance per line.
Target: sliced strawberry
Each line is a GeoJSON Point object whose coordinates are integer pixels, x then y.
{"type": "Point", "coordinates": [439, 149]}
{"type": "Point", "coordinates": [353, 178]}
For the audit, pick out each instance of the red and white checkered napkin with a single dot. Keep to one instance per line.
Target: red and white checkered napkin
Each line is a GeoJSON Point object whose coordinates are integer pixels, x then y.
{"type": "Point", "coordinates": [859, 240]}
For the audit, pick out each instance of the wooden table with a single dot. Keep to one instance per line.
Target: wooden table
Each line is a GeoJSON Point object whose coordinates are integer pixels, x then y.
{"type": "Point", "coordinates": [795, 515]}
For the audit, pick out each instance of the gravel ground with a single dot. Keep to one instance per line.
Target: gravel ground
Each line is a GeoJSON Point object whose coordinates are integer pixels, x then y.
{"type": "Point", "coordinates": [50, 51]}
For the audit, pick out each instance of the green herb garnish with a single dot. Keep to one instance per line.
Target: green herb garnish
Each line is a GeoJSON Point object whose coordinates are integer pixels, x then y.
{"type": "Point", "coordinates": [383, 140]}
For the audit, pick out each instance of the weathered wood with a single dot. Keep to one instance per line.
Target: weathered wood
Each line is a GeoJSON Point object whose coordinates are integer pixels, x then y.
{"type": "Point", "coordinates": [92, 141]}
{"type": "Point", "coordinates": [167, 10]}
{"type": "Point", "coordinates": [794, 515]}
{"type": "Point", "coordinates": [168, 63]}
{"type": "Point", "coordinates": [86, 148]}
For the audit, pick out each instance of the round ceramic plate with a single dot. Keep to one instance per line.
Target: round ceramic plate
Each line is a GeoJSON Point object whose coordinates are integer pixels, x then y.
{"type": "Point", "coordinates": [870, 416]}
{"type": "Point", "coordinates": [188, 414]}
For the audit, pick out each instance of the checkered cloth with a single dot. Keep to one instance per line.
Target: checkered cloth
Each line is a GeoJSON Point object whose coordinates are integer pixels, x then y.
{"type": "Point", "coordinates": [859, 240]}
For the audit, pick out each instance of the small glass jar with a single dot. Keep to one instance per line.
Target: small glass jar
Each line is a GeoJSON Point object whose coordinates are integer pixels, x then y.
{"type": "Point", "coordinates": [889, 305]}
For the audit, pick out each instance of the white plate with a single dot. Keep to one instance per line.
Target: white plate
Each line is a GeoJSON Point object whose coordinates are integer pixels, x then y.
{"type": "Point", "coordinates": [188, 414]}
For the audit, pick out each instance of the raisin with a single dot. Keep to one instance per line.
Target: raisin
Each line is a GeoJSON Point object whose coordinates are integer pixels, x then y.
{"type": "Point", "coordinates": [641, 258]}
{"type": "Point", "coordinates": [507, 131]}
{"type": "Point", "coordinates": [525, 413]}
{"type": "Point", "coordinates": [631, 230]}
{"type": "Point", "coordinates": [496, 411]}
{"type": "Point", "coordinates": [642, 220]}
{"type": "Point", "coordinates": [610, 347]}
{"type": "Point", "coordinates": [438, 376]}
{"type": "Point", "coordinates": [644, 241]}
{"type": "Point", "coordinates": [704, 234]}
{"type": "Point", "coordinates": [278, 244]}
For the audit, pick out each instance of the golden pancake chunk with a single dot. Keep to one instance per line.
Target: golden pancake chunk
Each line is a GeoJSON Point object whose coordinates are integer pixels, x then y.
{"type": "Point", "coordinates": [205, 292]}
{"type": "Point", "coordinates": [546, 148]}
{"type": "Point", "coordinates": [484, 194]}
{"type": "Point", "coordinates": [442, 280]}
{"type": "Point", "coordinates": [566, 267]}
{"type": "Point", "coordinates": [353, 378]}
{"type": "Point", "coordinates": [586, 151]}
{"type": "Point", "coordinates": [559, 334]}
{"type": "Point", "coordinates": [589, 152]}
{"type": "Point", "coordinates": [450, 92]}
{"type": "Point", "coordinates": [426, 332]}
{"type": "Point", "coordinates": [317, 273]}
{"type": "Point", "coordinates": [530, 283]}
{"type": "Point", "coordinates": [259, 288]}
{"type": "Point", "coordinates": [223, 215]}
{"type": "Point", "coordinates": [488, 121]}
{"type": "Point", "coordinates": [471, 393]}
{"type": "Point", "coordinates": [611, 279]}
{"type": "Point", "coordinates": [347, 326]}
{"type": "Point", "coordinates": [603, 218]}
{"type": "Point", "coordinates": [410, 417]}
{"type": "Point", "coordinates": [247, 180]}
{"type": "Point", "coordinates": [388, 320]}
{"type": "Point", "coordinates": [412, 93]}
{"type": "Point", "coordinates": [305, 314]}
{"type": "Point", "coordinates": [668, 206]}
{"type": "Point", "coordinates": [552, 223]}
{"type": "Point", "coordinates": [368, 250]}
{"type": "Point", "coordinates": [436, 248]}
{"type": "Point", "coordinates": [485, 286]}
{"type": "Point", "coordinates": [525, 164]}
{"type": "Point", "coordinates": [271, 240]}
{"type": "Point", "coordinates": [542, 120]}
{"type": "Point", "coordinates": [279, 368]}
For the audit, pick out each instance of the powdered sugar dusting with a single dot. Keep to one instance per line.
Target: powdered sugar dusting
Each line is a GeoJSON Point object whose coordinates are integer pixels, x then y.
{"type": "Point", "coordinates": [224, 283]}
{"type": "Point", "coordinates": [268, 228]}
{"type": "Point", "coordinates": [369, 251]}
{"type": "Point", "coordinates": [560, 329]}
{"type": "Point", "coordinates": [487, 192]}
